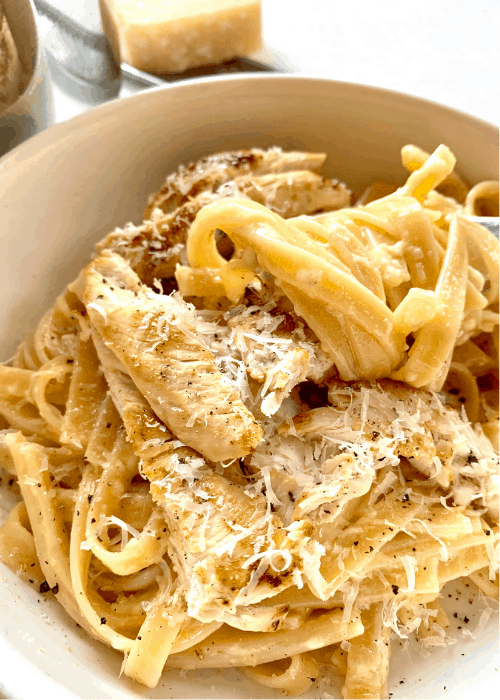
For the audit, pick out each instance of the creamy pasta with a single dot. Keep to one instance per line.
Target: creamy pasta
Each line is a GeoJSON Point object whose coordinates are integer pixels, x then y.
{"type": "Point", "coordinates": [260, 430]}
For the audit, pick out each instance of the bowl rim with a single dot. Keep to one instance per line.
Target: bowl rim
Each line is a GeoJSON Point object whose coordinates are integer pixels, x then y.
{"type": "Point", "coordinates": [58, 131]}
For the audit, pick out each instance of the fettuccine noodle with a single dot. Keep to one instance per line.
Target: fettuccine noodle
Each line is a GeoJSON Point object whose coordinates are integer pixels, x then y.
{"type": "Point", "coordinates": [280, 464]}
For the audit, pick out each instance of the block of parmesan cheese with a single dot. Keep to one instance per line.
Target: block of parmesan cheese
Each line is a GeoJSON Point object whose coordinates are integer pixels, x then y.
{"type": "Point", "coordinates": [169, 36]}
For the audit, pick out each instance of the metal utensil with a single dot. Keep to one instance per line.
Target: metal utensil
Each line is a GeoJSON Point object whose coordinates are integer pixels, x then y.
{"type": "Point", "coordinates": [489, 222]}
{"type": "Point", "coordinates": [82, 61]}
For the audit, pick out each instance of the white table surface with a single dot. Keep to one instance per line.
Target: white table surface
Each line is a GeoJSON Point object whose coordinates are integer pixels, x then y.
{"type": "Point", "coordinates": [443, 50]}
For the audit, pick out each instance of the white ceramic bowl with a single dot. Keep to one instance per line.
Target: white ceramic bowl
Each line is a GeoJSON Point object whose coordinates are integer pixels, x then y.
{"type": "Point", "coordinates": [67, 187]}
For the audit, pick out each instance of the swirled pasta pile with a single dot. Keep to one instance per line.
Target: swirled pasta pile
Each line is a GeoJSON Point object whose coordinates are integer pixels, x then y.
{"type": "Point", "coordinates": [261, 429]}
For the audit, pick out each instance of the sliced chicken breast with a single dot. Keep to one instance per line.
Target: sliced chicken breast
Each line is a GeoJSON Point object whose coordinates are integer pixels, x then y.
{"type": "Point", "coordinates": [154, 248]}
{"type": "Point", "coordinates": [216, 528]}
{"type": "Point", "coordinates": [155, 339]}
{"type": "Point", "coordinates": [208, 174]}
{"type": "Point", "coordinates": [290, 194]}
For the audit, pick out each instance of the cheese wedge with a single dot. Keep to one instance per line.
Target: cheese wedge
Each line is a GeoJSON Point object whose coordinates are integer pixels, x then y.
{"type": "Point", "coordinates": [170, 36]}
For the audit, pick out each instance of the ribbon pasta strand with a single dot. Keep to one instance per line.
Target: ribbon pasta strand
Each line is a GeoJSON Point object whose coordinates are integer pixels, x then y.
{"type": "Point", "coordinates": [278, 466]}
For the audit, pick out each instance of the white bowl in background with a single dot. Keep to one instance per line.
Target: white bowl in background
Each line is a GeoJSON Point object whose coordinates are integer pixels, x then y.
{"type": "Point", "coordinates": [63, 190]}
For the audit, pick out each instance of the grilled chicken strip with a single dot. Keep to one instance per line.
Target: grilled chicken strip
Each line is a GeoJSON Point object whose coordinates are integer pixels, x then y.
{"type": "Point", "coordinates": [155, 339]}
{"type": "Point", "coordinates": [216, 528]}
{"type": "Point", "coordinates": [153, 249]}
{"type": "Point", "coordinates": [264, 337]}
{"type": "Point", "coordinates": [290, 194]}
{"type": "Point", "coordinates": [208, 174]}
